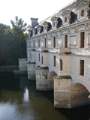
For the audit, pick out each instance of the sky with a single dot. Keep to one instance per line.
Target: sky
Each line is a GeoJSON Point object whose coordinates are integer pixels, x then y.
{"type": "Point", "coordinates": [26, 9]}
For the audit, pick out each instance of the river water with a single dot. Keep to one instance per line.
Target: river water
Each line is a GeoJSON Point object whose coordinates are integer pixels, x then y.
{"type": "Point", "coordinates": [28, 104]}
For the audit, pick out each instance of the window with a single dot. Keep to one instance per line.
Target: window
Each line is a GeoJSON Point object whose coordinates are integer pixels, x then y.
{"type": "Point", "coordinates": [82, 37]}
{"type": "Point", "coordinates": [66, 41]}
{"type": "Point", "coordinates": [54, 61]}
{"type": "Point", "coordinates": [54, 42]}
{"type": "Point", "coordinates": [61, 65]}
{"type": "Point", "coordinates": [39, 56]}
{"type": "Point", "coordinates": [82, 67]}
{"type": "Point", "coordinates": [39, 43]}
{"type": "Point", "coordinates": [82, 13]}
{"type": "Point", "coordinates": [42, 59]}
{"type": "Point", "coordinates": [65, 19]}
{"type": "Point", "coordinates": [45, 43]}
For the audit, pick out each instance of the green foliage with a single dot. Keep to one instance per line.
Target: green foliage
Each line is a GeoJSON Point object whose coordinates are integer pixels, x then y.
{"type": "Point", "coordinates": [12, 42]}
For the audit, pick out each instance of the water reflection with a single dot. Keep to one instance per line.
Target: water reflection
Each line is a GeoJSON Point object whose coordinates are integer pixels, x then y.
{"type": "Point", "coordinates": [26, 95]}
{"type": "Point", "coordinates": [20, 105]}
{"type": "Point", "coordinates": [8, 111]}
{"type": "Point", "coordinates": [38, 108]}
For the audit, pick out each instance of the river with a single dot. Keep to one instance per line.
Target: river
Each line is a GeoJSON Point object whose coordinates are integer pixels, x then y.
{"type": "Point", "coordinates": [26, 103]}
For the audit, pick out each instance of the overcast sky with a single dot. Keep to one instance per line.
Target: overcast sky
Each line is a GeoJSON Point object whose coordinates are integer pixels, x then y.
{"type": "Point", "coordinates": [26, 9]}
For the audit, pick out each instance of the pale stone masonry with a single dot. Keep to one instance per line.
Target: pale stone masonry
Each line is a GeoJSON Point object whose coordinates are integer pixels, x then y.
{"type": "Point", "coordinates": [58, 51]}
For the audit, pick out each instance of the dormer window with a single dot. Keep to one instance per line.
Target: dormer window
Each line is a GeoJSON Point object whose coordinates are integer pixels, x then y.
{"type": "Point", "coordinates": [82, 13]}
{"type": "Point", "coordinates": [65, 19]}
{"type": "Point", "coordinates": [49, 26]}
{"type": "Point", "coordinates": [73, 17]}
{"type": "Point", "coordinates": [59, 22]}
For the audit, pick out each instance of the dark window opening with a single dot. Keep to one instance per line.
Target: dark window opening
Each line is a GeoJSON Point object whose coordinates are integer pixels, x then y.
{"type": "Point", "coordinates": [39, 56]}
{"type": "Point", "coordinates": [35, 30]}
{"type": "Point", "coordinates": [82, 13]}
{"type": "Point", "coordinates": [45, 43]}
{"type": "Point", "coordinates": [66, 41]}
{"type": "Point", "coordinates": [88, 11]}
{"type": "Point", "coordinates": [61, 65]}
{"type": "Point", "coordinates": [39, 43]}
{"type": "Point", "coordinates": [42, 59]}
{"type": "Point", "coordinates": [54, 42]}
{"type": "Point", "coordinates": [49, 27]}
{"type": "Point", "coordinates": [41, 29]}
{"type": "Point", "coordinates": [65, 19]}
{"type": "Point", "coordinates": [59, 22]}
{"type": "Point", "coordinates": [82, 67]}
{"type": "Point", "coordinates": [82, 37]}
{"type": "Point", "coordinates": [73, 17]}
{"type": "Point", "coordinates": [54, 61]}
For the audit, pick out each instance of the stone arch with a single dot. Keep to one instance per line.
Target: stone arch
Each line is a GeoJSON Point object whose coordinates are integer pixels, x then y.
{"type": "Point", "coordinates": [79, 87]}
{"type": "Point", "coordinates": [79, 94]}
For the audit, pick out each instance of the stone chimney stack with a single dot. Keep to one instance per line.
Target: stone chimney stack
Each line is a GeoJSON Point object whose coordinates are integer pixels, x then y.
{"type": "Point", "coordinates": [34, 22]}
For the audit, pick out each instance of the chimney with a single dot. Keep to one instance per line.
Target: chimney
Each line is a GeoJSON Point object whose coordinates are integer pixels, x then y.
{"type": "Point", "coordinates": [34, 22]}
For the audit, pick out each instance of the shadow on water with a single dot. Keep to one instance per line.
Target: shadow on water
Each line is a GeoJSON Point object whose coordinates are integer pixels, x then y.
{"type": "Point", "coordinates": [8, 81]}
{"type": "Point", "coordinates": [79, 113]}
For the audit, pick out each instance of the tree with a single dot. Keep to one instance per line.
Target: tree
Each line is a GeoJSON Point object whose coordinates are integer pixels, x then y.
{"type": "Point", "coordinates": [6, 45]}
{"type": "Point", "coordinates": [12, 42]}
{"type": "Point", "coordinates": [19, 28]}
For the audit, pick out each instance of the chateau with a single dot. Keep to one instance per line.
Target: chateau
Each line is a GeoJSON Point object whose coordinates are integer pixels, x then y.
{"type": "Point", "coordinates": [58, 54]}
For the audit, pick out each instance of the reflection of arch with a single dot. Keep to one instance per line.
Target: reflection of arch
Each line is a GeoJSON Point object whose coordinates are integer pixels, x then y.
{"type": "Point", "coordinates": [51, 75]}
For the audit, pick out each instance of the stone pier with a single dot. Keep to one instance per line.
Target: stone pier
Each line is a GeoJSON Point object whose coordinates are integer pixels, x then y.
{"type": "Point", "coordinates": [42, 82]}
{"type": "Point", "coordinates": [68, 94]}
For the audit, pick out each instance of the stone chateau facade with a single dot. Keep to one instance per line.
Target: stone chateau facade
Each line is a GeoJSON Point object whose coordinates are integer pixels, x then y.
{"type": "Point", "coordinates": [58, 54]}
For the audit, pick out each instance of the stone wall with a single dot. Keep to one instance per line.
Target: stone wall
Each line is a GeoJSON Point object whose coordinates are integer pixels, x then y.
{"type": "Point", "coordinates": [61, 92]}
{"type": "Point", "coordinates": [31, 71]}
